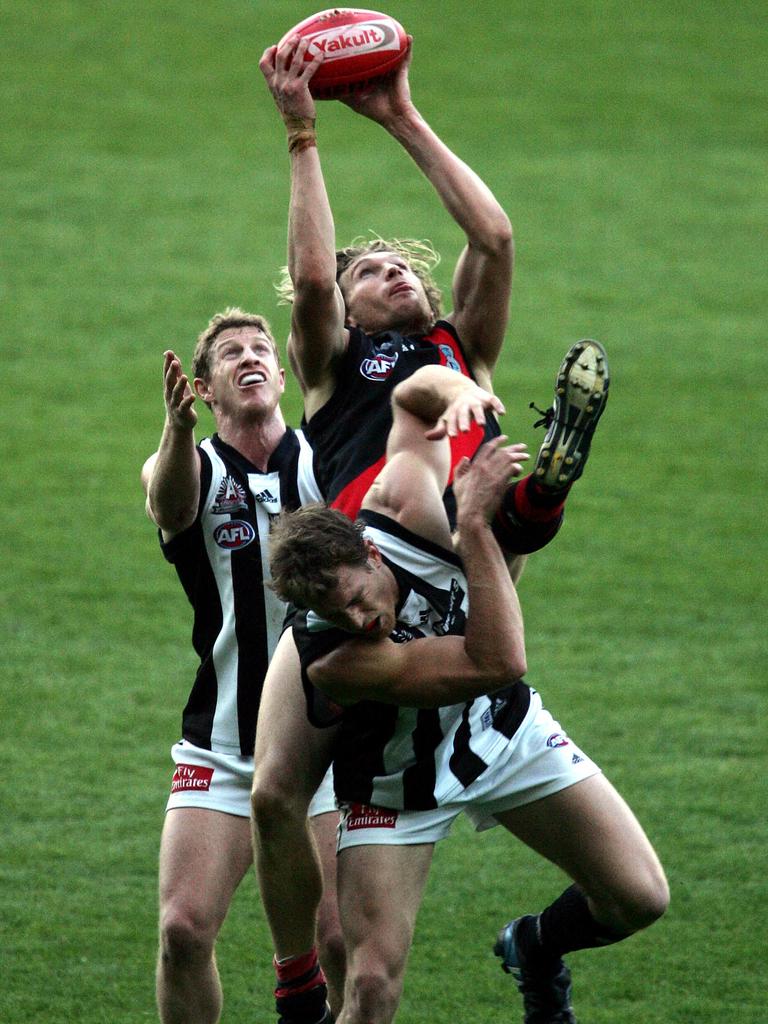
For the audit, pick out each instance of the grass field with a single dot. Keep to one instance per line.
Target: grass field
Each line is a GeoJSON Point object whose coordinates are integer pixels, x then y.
{"type": "Point", "coordinates": [144, 186]}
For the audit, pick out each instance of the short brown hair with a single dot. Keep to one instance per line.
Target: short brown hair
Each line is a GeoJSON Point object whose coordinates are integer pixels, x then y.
{"type": "Point", "coordinates": [421, 257]}
{"type": "Point", "coordinates": [232, 316]}
{"type": "Point", "coordinates": [306, 550]}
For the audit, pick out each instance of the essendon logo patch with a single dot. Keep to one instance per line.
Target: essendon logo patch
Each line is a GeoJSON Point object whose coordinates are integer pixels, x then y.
{"type": "Point", "coordinates": [191, 777]}
{"type": "Point", "coordinates": [364, 816]}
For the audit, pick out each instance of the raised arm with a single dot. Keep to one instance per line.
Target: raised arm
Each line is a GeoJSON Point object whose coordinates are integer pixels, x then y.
{"type": "Point", "coordinates": [171, 477]}
{"type": "Point", "coordinates": [437, 671]}
{"type": "Point", "coordinates": [483, 276]}
{"type": "Point", "coordinates": [318, 334]}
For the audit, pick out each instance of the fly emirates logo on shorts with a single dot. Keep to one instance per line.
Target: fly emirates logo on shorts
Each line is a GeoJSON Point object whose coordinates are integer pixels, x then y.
{"type": "Point", "coordinates": [191, 777]}
{"type": "Point", "coordinates": [363, 816]}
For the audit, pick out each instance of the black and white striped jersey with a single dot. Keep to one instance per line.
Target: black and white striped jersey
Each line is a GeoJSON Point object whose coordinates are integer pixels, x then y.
{"type": "Point", "coordinates": [412, 758]}
{"type": "Point", "coordinates": [222, 561]}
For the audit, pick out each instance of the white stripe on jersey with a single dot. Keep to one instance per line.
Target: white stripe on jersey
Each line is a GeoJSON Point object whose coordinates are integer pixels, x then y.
{"type": "Point", "coordinates": [309, 490]}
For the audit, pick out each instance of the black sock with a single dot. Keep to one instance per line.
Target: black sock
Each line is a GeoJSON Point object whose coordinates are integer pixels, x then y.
{"type": "Point", "coordinates": [565, 925]}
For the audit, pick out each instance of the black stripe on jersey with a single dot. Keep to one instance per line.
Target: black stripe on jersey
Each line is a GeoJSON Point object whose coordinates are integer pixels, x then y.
{"type": "Point", "coordinates": [367, 727]}
{"type": "Point", "coordinates": [464, 762]}
{"type": "Point", "coordinates": [201, 588]}
{"type": "Point", "coordinates": [419, 779]}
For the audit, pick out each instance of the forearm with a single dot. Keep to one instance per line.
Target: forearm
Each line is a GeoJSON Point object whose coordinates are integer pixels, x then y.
{"type": "Point", "coordinates": [311, 232]}
{"type": "Point", "coordinates": [173, 489]}
{"type": "Point", "coordinates": [494, 632]}
{"type": "Point", "coordinates": [429, 392]}
{"type": "Point", "coordinates": [466, 197]}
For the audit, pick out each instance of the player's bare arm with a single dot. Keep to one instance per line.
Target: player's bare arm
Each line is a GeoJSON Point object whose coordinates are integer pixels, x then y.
{"type": "Point", "coordinates": [483, 276]}
{"type": "Point", "coordinates": [318, 334]}
{"type": "Point", "coordinates": [171, 477]}
{"type": "Point", "coordinates": [435, 403]}
{"type": "Point", "coordinates": [448, 402]}
{"type": "Point", "coordinates": [495, 617]}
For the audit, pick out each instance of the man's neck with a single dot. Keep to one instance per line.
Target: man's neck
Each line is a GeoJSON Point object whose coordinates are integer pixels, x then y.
{"type": "Point", "coordinates": [255, 439]}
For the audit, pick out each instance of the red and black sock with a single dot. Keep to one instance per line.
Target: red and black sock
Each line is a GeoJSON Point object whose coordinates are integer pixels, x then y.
{"type": "Point", "coordinates": [301, 992]}
{"type": "Point", "coordinates": [529, 517]}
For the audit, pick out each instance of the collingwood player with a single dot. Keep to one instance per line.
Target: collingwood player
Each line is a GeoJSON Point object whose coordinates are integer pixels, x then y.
{"type": "Point", "coordinates": [213, 504]}
{"type": "Point", "coordinates": [420, 653]}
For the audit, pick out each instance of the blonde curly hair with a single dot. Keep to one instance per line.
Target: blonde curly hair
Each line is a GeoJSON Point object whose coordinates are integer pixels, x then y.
{"type": "Point", "coordinates": [420, 255]}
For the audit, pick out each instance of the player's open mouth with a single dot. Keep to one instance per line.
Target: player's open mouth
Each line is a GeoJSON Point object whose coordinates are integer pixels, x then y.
{"type": "Point", "coordinates": [251, 378]}
{"type": "Point", "coordinates": [374, 625]}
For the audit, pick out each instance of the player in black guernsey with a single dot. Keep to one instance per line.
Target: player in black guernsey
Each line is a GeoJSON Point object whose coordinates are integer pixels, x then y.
{"type": "Point", "coordinates": [214, 503]}
{"type": "Point", "coordinates": [424, 652]}
{"type": "Point", "coordinates": [362, 318]}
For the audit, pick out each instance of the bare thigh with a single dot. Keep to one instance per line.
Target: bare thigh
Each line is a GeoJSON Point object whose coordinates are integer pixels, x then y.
{"type": "Point", "coordinates": [291, 755]}
{"type": "Point", "coordinates": [589, 831]}
{"type": "Point", "coordinates": [380, 891]}
{"type": "Point", "coordinates": [204, 856]}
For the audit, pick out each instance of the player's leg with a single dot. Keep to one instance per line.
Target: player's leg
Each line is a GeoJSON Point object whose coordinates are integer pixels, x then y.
{"type": "Point", "coordinates": [204, 855]}
{"type": "Point", "coordinates": [380, 890]}
{"type": "Point", "coordinates": [532, 510]}
{"type": "Point", "coordinates": [589, 831]}
{"type": "Point", "coordinates": [290, 761]}
{"type": "Point", "coordinates": [330, 942]}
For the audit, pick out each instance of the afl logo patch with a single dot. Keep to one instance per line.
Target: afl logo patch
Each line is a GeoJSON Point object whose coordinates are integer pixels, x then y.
{"type": "Point", "coordinates": [378, 367]}
{"type": "Point", "coordinates": [234, 534]}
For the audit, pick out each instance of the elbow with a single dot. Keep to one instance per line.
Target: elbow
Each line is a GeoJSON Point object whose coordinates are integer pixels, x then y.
{"type": "Point", "coordinates": [498, 240]}
{"type": "Point", "coordinates": [509, 666]}
{"type": "Point", "coordinates": [172, 522]}
{"type": "Point", "coordinates": [314, 283]}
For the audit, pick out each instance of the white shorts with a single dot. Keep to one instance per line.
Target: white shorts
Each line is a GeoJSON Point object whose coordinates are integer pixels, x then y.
{"type": "Point", "coordinates": [539, 760]}
{"type": "Point", "coordinates": [222, 782]}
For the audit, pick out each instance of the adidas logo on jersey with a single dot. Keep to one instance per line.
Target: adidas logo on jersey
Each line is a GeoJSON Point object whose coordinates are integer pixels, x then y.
{"type": "Point", "coordinates": [265, 497]}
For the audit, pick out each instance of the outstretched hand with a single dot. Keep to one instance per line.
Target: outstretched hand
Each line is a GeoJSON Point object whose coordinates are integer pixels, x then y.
{"type": "Point", "coordinates": [480, 485]}
{"type": "Point", "coordinates": [288, 75]}
{"type": "Point", "coordinates": [465, 409]}
{"type": "Point", "coordinates": [386, 100]}
{"type": "Point", "coordinates": [178, 393]}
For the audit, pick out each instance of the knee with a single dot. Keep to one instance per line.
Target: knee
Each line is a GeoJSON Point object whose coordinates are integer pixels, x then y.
{"type": "Point", "coordinates": [644, 903]}
{"type": "Point", "coordinates": [185, 938]}
{"type": "Point", "coordinates": [274, 804]}
{"type": "Point", "coordinates": [372, 994]}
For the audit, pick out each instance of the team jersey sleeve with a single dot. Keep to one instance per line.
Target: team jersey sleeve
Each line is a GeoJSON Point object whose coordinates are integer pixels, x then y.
{"type": "Point", "coordinates": [313, 642]}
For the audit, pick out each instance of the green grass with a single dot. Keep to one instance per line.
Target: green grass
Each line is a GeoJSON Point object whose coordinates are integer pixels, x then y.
{"type": "Point", "coordinates": [144, 186]}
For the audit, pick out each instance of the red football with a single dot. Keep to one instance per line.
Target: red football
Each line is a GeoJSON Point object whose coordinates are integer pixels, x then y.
{"type": "Point", "coordinates": [359, 47]}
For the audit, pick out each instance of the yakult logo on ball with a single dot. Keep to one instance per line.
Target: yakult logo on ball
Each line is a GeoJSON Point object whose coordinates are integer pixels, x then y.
{"type": "Point", "coordinates": [350, 40]}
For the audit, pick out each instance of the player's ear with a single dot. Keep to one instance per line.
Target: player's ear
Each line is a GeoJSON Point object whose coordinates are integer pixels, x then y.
{"type": "Point", "coordinates": [202, 390]}
{"type": "Point", "coordinates": [373, 553]}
